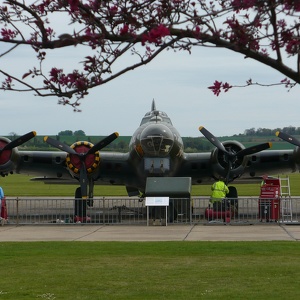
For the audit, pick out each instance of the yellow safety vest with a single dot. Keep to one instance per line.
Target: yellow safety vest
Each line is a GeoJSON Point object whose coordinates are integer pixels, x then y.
{"type": "Point", "coordinates": [219, 191]}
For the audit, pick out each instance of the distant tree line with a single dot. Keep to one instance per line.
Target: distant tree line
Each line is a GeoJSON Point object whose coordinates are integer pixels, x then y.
{"type": "Point", "coordinates": [71, 133]}
{"type": "Point", "coordinates": [266, 131]}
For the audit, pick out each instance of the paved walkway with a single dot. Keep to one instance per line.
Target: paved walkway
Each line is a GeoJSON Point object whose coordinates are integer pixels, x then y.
{"type": "Point", "coordinates": [81, 232]}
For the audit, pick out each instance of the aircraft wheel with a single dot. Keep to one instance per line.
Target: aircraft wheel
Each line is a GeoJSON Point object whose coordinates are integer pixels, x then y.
{"type": "Point", "coordinates": [80, 205]}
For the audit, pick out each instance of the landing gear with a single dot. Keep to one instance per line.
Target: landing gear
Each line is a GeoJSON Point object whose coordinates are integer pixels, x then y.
{"type": "Point", "coordinates": [233, 198]}
{"type": "Point", "coordinates": [80, 208]}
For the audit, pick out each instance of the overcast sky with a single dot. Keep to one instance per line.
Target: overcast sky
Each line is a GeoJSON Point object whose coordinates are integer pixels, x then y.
{"type": "Point", "coordinates": [177, 81]}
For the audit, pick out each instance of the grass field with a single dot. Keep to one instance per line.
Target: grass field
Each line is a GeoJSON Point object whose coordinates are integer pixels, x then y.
{"type": "Point", "coordinates": [150, 270]}
{"type": "Point", "coordinates": [20, 185]}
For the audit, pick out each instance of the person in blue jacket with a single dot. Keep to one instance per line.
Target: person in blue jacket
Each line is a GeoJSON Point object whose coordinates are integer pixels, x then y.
{"type": "Point", "coordinates": [1, 197]}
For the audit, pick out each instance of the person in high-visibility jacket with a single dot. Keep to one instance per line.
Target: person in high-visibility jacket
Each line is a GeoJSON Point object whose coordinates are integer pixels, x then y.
{"type": "Point", "coordinates": [219, 192]}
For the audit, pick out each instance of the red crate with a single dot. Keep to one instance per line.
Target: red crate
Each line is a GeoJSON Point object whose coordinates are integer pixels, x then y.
{"type": "Point", "coordinates": [211, 214]}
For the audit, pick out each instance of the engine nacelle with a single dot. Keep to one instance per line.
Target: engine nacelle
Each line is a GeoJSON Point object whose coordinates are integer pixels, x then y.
{"type": "Point", "coordinates": [219, 161]}
{"type": "Point", "coordinates": [8, 158]}
{"type": "Point", "coordinates": [74, 162]}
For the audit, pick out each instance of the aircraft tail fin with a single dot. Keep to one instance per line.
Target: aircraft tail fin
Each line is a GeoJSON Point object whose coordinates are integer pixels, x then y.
{"type": "Point", "coordinates": [153, 107]}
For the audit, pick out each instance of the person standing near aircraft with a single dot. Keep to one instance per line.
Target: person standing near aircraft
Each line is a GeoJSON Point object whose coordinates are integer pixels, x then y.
{"type": "Point", "coordinates": [219, 192]}
{"type": "Point", "coordinates": [1, 197]}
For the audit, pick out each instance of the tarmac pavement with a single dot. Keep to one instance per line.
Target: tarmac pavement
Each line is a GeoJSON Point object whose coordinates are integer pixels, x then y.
{"type": "Point", "coordinates": [134, 233]}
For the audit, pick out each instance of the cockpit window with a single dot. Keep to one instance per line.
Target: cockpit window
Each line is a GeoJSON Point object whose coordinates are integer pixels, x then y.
{"type": "Point", "coordinates": [157, 145]}
{"type": "Point", "coordinates": [157, 140]}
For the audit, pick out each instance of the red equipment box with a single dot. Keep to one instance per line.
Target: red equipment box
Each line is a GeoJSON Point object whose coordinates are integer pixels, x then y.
{"type": "Point", "coordinates": [269, 200]}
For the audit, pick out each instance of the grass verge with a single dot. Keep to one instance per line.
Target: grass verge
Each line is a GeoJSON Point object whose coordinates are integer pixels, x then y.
{"type": "Point", "coordinates": [20, 185]}
{"type": "Point", "coordinates": [150, 270]}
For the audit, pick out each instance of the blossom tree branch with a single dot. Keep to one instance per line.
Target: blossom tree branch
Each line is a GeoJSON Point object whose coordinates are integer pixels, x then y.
{"type": "Point", "coordinates": [107, 32]}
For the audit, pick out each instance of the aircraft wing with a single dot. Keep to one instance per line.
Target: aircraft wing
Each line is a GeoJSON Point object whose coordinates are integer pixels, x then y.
{"type": "Point", "coordinates": [49, 164]}
{"type": "Point", "coordinates": [51, 167]}
{"type": "Point", "coordinates": [117, 168]}
{"type": "Point", "coordinates": [204, 167]}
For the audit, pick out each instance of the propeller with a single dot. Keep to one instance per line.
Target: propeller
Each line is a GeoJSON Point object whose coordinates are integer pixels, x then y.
{"type": "Point", "coordinates": [212, 138]}
{"type": "Point", "coordinates": [19, 141]}
{"type": "Point", "coordinates": [231, 156]}
{"type": "Point", "coordinates": [103, 143]}
{"type": "Point", "coordinates": [288, 138]}
{"type": "Point", "coordinates": [57, 144]}
{"type": "Point", "coordinates": [83, 177]}
{"type": "Point", "coordinates": [254, 149]}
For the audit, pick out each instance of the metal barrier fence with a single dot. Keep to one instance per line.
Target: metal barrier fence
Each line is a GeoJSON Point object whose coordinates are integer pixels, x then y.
{"type": "Point", "coordinates": [244, 210]}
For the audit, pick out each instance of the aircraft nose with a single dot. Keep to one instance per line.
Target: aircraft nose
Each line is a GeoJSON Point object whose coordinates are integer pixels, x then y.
{"type": "Point", "coordinates": [157, 140]}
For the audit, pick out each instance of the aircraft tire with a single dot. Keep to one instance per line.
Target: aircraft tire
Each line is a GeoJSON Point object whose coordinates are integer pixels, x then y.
{"type": "Point", "coordinates": [233, 196]}
{"type": "Point", "coordinates": [80, 205]}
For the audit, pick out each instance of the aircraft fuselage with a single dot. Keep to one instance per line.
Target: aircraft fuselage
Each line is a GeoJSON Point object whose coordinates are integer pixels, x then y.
{"type": "Point", "coordinates": [156, 147]}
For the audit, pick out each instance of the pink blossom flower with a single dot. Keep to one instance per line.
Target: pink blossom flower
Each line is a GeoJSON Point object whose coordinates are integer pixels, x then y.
{"type": "Point", "coordinates": [124, 29]}
{"type": "Point", "coordinates": [73, 4]}
{"type": "Point", "coordinates": [155, 35]}
{"type": "Point", "coordinates": [218, 86]}
{"type": "Point", "coordinates": [8, 34]}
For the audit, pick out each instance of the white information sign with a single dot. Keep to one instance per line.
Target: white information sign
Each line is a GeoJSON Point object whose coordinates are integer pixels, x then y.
{"type": "Point", "coordinates": [157, 201]}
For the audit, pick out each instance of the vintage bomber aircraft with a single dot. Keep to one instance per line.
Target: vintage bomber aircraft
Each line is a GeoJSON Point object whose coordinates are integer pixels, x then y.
{"type": "Point", "coordinates": [155, 150]}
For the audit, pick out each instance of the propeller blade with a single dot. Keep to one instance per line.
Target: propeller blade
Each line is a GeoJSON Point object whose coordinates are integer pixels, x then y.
{"type": "Point", "coordinates": [254, 149]}
{"type": "Point", "coordinates": [212, 139]}
{"type": "Point", "coordinates": [57, 144]}
{"type": "Point", "coordinates": [19, 141]}
{"type": "Point", "coordinates": [103, 143]}
{"type": "Point", "coordinates": [83, 180]}
{"type": "Point", "coordinates": [228, 169]}
{"type": "Point", "coordinates": [288, 138]}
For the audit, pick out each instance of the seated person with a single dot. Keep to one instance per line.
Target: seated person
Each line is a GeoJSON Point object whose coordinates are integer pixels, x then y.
{"type": "Point", "coordinates": [219, 192]}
